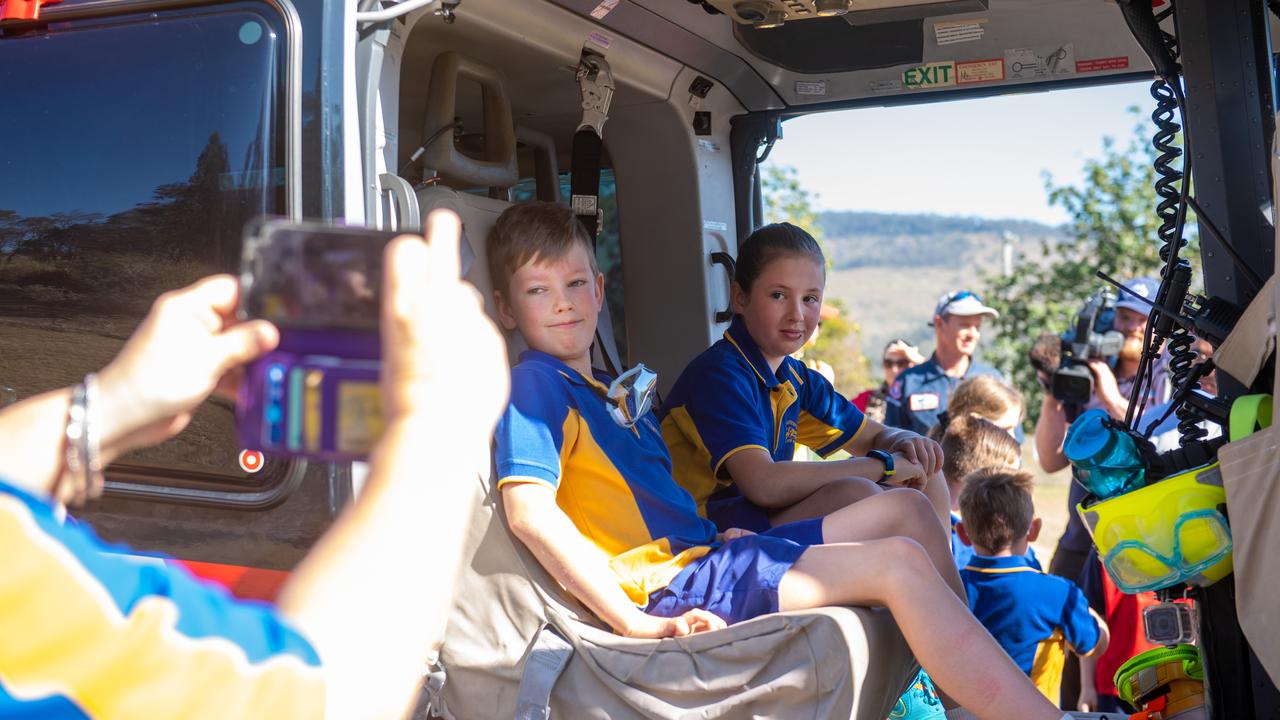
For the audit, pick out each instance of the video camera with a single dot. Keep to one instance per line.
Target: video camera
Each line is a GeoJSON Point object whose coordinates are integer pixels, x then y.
{"type": "Point", "coordinates": [1093, 337]}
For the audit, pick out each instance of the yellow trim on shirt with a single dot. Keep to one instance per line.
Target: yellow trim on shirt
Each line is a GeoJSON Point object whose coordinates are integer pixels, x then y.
{"type": "Point", "coordinates": [734, 343]}
{"type": "Point", "coordinates": [64, 634]}
{"type": "Point", "coordinates": [716, 472]}
{"type": "Point", "coordinates": [1002, 571]}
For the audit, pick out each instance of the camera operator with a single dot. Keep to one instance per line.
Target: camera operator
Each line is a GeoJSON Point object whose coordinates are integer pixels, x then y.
{"type": "Point", "coordinates": [1110, 391]}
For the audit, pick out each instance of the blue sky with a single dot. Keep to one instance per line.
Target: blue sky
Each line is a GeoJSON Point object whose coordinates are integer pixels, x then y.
{"type": "Point", "coordinates": [970, 157]}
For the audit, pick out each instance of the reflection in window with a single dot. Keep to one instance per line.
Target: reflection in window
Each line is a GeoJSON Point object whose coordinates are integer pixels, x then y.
{"type": "Point", "coordinates": [147, 143]}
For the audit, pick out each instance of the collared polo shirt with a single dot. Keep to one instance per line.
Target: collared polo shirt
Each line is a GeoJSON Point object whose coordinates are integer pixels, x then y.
{"type": "Point", "coordinates": [920, 393]}
{"type": "Point", "coordinates": [1033, 616]}
{"type": "Point", "coordinates": [728, 400]}
{"type": "Point", "coordinates": [89, 631]}
{"type": "Point", "coordinates": [614, 483]}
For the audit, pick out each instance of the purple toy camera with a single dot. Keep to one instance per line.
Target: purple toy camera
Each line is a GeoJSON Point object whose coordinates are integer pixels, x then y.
{"type": "Point", "coordinates": [316, 395]}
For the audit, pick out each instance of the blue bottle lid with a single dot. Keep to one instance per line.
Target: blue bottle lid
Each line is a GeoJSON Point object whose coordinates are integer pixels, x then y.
{"type": "Point", "coordinates": [1089, 439]}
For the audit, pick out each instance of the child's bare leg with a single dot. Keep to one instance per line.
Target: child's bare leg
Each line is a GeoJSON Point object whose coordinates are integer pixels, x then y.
{"type": "Point", "coordinates": [953, 647]}
{"type": "Point", "coordinates": [827, 499]}
{"type": "Point", "coordinates": [935, 488]}
{"type": "Point", "coordinates": [898, 512]}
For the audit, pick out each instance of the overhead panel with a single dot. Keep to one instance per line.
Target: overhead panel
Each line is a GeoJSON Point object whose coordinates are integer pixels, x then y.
{"type": "Point", "coordinates": [772, 13]}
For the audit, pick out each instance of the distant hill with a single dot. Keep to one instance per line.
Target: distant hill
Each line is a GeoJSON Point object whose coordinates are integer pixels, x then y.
{"type": "Point", "coordinates": [889, 269]}
{"type": "Point", "coordinates": [864, 239]}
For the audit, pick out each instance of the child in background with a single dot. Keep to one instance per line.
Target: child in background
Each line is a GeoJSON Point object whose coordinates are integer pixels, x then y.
{"type": "Point", "coordinates": [969, 444]}
{"type": "Point", "coordinates": [1032, 615]}
{"type": "Point", "coordinates": [986, 397]}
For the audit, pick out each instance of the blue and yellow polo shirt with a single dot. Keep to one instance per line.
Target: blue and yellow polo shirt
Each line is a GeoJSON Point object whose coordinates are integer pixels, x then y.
{"type": "Point", "coordinates": [91, 632]}
{"type": "Point", "coordinates": [614, 483]}
{"type": "Point", "coordinates": [1032, 615]}
{"type": "Point", "coordinates": [728, 400]}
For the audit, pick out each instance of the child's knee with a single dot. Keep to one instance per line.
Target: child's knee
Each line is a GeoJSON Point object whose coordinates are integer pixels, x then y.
{"type": "Point", "coordinates": [847, 491]}
{"type": "Point", "coordinates": [905, 555]}
{"type": "Point", "coordinates": [917, 517]}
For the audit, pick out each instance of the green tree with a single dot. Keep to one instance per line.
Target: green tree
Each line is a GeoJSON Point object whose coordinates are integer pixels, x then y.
{"type": "Point", "coordinates": [1112, 227]}
{"type": "Point", "coordinates": [839, 340]}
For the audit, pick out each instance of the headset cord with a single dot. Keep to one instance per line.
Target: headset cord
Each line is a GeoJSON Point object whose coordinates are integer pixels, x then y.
{"type": "Point", "coordinates": [1172, 188]}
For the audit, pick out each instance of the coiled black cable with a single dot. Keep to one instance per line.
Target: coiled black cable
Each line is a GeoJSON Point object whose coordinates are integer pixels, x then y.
{"type": "Point", "coordinates": [1172, 187]}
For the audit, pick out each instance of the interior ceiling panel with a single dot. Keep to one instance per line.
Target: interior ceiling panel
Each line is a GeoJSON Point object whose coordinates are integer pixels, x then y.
{"type": "Point", "coordinates": [993, 46]}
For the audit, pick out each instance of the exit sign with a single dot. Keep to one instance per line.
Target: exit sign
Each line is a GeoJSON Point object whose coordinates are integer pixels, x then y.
{"type": "Point", "coordinates": [939, 74]}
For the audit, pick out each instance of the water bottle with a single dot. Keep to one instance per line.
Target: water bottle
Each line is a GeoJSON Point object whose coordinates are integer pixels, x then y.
{"type": "Point", "coordinates": [1105, 457]}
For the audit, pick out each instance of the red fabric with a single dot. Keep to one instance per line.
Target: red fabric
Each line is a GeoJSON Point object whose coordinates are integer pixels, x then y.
{"type": "Point", "coordinates": [244, 582]}
{"type": "Point", "coordinates": [1124, 620]}
{"type": "Point", "coordinates": [861, 400]}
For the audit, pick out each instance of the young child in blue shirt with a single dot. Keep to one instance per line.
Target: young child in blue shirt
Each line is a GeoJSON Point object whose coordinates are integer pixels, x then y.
{"type": "Point", "coordinates": [733, 418]}
{"type": "Point", "coordinates": [1031, 614]}
{"type": "Point", "coordinates": [593, 498]}
{"type": "Point", "coordinates": [970, 443]}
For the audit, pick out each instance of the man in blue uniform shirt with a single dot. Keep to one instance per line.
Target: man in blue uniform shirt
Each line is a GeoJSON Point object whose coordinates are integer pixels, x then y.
{"type": "Point", "coordinates": [920, 393]}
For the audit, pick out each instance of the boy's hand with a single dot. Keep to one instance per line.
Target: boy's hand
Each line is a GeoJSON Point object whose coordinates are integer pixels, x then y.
{"type": "Point", "coordinates": [1088, 701]}
{"type": "Point", "coordinates": [733, 534]}
{"type": "Point", "coordinates": [693, 621]}
{"type": "Point", "coordinates": [906, 473]}
{"type": "Point", "coordinates": [920, 450]}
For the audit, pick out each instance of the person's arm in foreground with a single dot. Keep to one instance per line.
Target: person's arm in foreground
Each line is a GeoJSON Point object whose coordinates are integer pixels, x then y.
{"type": "Point", "coordinates": [371, 622]}
{"type": "Point", "coordinates": [373, 619]}
{"type": "Point", "coordinates": [583, 569]}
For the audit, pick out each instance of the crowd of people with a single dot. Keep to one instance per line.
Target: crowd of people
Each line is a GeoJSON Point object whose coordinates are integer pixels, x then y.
{"type": "Point", "coordinates": [663, 521]}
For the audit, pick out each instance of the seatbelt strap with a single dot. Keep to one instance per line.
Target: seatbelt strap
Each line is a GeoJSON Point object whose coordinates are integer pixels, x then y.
{"type": "Point", "coordinates": [595, 81]}
{"type": "Point", "coordinates": [542, 668]}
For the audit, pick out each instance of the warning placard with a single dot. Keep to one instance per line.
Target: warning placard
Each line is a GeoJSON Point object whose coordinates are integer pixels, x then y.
{"type": "Point", "coordinates": [1040, 62]}
{"type": "Point", "coordinates": [1100, 64]}
{"type": "Point", "coordinates": [958, 31]}
{"type": "Point", "coordinates": [978, 71]}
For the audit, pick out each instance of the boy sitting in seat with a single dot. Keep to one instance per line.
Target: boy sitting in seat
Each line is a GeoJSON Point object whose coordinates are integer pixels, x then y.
{"type": "Point", "coordinates": [1030, 613]}
{"type": "Point", "coordinates": [589, 491]}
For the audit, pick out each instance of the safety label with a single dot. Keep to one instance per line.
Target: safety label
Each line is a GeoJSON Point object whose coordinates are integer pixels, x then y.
{"type": "Point", "coordinates": [958, 31]}
{"type": "Point", "coordinates": [1100, 64]}
{"type": "Point", "coordinates": [938, 74]}
{"type": "Point", "coordinates": [884, 86]}
{"type": "Point", "coordinates": [598, 42]}
{"type": "Point", "coordinates": [715, 226]}
{"type": "Point", "coordinates": [811, 87]}
{"type": "Point", "coordinates": [604, 8]}
{"type": "Point", "coordinates": [1039, 62]}
{"type": "Point", "coordinates": [977, 71]}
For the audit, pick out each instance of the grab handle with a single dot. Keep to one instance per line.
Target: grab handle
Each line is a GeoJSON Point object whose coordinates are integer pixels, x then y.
{"type": "Point", "coordinates": [725, 259]}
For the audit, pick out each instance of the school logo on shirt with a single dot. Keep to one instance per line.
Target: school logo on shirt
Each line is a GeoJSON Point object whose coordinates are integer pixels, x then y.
{"type": "Point", "coordinates": [791, 431]}
{"type": "Point", "coordinates": [923, 401]}
{"type": "Point", "coordinates": [895, 391]}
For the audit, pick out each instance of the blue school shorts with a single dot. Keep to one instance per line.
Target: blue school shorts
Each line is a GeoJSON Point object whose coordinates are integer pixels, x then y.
{"type": "Point", "coordinates": [737, 581]}
{"type": "Point", "coordinates": [728, 509]}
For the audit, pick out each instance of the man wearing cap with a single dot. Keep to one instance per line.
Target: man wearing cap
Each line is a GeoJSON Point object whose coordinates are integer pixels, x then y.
{"type": "Point", "coordinates": [1111, 389]}
{"type": "Point", "coordinates": [920, 393]}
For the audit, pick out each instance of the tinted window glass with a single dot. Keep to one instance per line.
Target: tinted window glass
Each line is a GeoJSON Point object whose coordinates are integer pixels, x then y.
{"type": "Point", "coordinates": [141, 145]}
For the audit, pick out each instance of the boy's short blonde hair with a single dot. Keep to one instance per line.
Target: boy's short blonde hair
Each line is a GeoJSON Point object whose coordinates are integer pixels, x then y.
{"type": "Point", "coordinates": [543, 231]}
{"type": "Point", "coordinates": [997, 507]}
{"type": "Point", "coordinates": [970, 443]}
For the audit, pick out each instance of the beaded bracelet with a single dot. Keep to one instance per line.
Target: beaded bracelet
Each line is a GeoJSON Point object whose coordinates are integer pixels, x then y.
{"type": "Point", "coordinates": [82, 478]}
